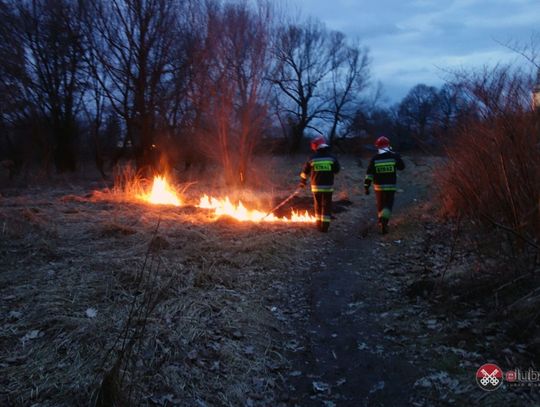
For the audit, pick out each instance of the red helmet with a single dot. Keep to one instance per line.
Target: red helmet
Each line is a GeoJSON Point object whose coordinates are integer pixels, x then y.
{"type": "Point", "coordinates": [382, 142]}
{"type": "Point", "coordinates": [318, 142]}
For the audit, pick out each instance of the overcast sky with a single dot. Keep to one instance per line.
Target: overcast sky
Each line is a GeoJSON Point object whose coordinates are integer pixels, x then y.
{"type": "Point", "coordinates": [413, 41]}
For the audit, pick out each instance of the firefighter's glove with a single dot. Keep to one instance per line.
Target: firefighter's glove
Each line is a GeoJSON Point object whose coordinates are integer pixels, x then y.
{"type": "Point", "coordinates": [366, 190]}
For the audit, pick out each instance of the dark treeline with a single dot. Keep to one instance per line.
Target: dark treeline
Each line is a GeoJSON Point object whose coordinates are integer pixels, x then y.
{"type": "Point", "coordinates": [171, 83]}
{"type": "Point", "coordinates": [425, 119]}
{"type": "Point", "coordinates": [199, 80]}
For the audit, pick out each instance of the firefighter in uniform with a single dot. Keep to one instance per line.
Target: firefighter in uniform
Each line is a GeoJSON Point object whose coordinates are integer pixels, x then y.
{"type": "Point", "coordinates": [321, 168]}
{"type": "Point", "coordinates": [382, 173]}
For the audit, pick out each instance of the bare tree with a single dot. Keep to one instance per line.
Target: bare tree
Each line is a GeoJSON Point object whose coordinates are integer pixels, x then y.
{"type": "Point", "coordinates": [529, 50]}
{"type": "Point", "coordinates": [452, 108]}
{"type": "Point", "coordinates": [417, 112]}
{"type": "Point", "coordinates": [238, 38]}
{"type": "Point", "coordinates": [54, 49]}
{"type": "Point", "coordinates": [94, 108]}
{"type": "Point", "coordinates": [134, 42]}
{"type": "Point", "coordinates": [304, 59]}
{"type": "Point", "coordinates": [11, 65]}
{"type": "Point", "coordinates": [348, 78]}
{"type": "Point", "coordinates": [12, 75]}
{"type": "Point", "coordinates": [319, 75]}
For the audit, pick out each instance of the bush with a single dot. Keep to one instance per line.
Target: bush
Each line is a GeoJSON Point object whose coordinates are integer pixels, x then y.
{"type": "Point", "coordinates": [492, 174]}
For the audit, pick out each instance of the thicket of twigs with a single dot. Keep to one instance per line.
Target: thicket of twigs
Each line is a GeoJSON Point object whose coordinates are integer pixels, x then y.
{"type": "Point", "coordinates": [492, 175]}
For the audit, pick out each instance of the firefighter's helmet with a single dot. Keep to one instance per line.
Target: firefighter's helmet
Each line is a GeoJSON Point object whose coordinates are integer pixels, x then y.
{"type": "Point", "coordinates": [382, 142]}
{"type": "Point", "coordinates": [318, 142]}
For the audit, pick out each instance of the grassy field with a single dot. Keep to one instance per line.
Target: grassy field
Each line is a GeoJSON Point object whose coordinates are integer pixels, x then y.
{"type": "Point", "coordinates": [181, 301]}
{"type": "Point", "coordinates": [105, 298]}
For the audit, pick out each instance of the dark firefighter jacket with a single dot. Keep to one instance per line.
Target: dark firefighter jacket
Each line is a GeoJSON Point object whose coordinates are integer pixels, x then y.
{"type": "Point", "coordinates": [382, 171]}
{"type": "Point", "coordinates": [321, 167]}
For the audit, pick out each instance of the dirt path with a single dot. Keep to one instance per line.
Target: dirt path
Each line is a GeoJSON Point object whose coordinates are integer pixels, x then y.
{"type": "Point", "coordinates": [376, 333]}
{"type": "Point", "coordinates": [352, 353]}
{"type": "Point", "coordinates": [347, 349]}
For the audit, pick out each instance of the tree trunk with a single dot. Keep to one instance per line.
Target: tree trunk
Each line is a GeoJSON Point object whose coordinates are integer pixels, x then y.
{"type": "Point", "coordinates": [65, 155]}
{"type": "Point", "coordinates": [297, 132]}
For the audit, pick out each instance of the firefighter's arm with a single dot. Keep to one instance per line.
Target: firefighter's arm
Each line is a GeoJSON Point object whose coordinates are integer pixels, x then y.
{"type": "Point", "coordinates": [336, 167]}
{"type": "Point", "coordinates": [367, 183]}
{"type": "Point", "coordinates": [400, 165]}
{"type": "Point", "coordinates": [304, 175]}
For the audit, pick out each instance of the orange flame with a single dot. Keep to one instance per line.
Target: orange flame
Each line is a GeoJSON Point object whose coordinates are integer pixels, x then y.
{"type": "Point", "coordinates": [162, 193]}
{"type": "Point", "coordinates": [224, 207]}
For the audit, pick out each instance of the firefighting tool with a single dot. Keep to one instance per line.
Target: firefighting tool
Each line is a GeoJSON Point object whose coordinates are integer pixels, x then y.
{"type": "Point", "coordinates": [291, 196]}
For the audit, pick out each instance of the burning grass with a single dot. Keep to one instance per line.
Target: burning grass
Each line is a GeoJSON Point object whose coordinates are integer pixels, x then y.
{"type": "Point", "coordinates": [70, 272]}
{"type": "Point", "coordinates": [224, 207]}
{"type": "Point", "coordinates": [161, 191]}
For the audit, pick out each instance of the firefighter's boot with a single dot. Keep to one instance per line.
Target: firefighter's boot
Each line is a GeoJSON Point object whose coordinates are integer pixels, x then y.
{"type": "Point", "coordinates": [384, 226]}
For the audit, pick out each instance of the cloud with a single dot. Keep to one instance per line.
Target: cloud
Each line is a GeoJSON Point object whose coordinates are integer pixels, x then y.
{"type": "Point", "coordinates": [415, 41]}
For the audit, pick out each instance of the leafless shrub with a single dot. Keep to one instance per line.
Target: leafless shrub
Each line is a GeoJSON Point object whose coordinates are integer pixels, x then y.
{"type": "Point", "coordinates": [118, 383]}
{"type": "Point", "coordinates": [492, 175]}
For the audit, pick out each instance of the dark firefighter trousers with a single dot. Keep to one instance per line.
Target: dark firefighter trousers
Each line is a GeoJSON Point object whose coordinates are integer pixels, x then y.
{"type": "Point", "coordinates": [385, 202]}
{"type": "Point", "coordinates": [323, 209]}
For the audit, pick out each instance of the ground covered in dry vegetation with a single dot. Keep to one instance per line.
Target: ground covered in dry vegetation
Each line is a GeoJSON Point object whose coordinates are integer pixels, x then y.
{"type": "Point", "coordinates": [71, 269]}
{"type": "Point", "coordinates": [104, 299]}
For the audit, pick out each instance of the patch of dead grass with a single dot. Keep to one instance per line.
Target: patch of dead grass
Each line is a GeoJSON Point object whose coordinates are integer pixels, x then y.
{"type": "Point", "coordinates": [208, 341]}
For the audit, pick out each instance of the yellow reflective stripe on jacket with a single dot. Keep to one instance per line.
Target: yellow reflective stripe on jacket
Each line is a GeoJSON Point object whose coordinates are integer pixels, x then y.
{"type": "Point", "coordinates": [385, 167]}
{"type": "Point", "coordinates": [318, 188]}
{"type": "Point", "coordinates": [322, 165]}
{"type": "Point", "coordinates": [384, 187]}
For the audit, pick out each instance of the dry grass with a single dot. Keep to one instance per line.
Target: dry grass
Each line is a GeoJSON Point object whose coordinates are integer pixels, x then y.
{"type": "Point", "coordinates": [64, 258]}
{"type": "Point", "coordinates": [70, 264]}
